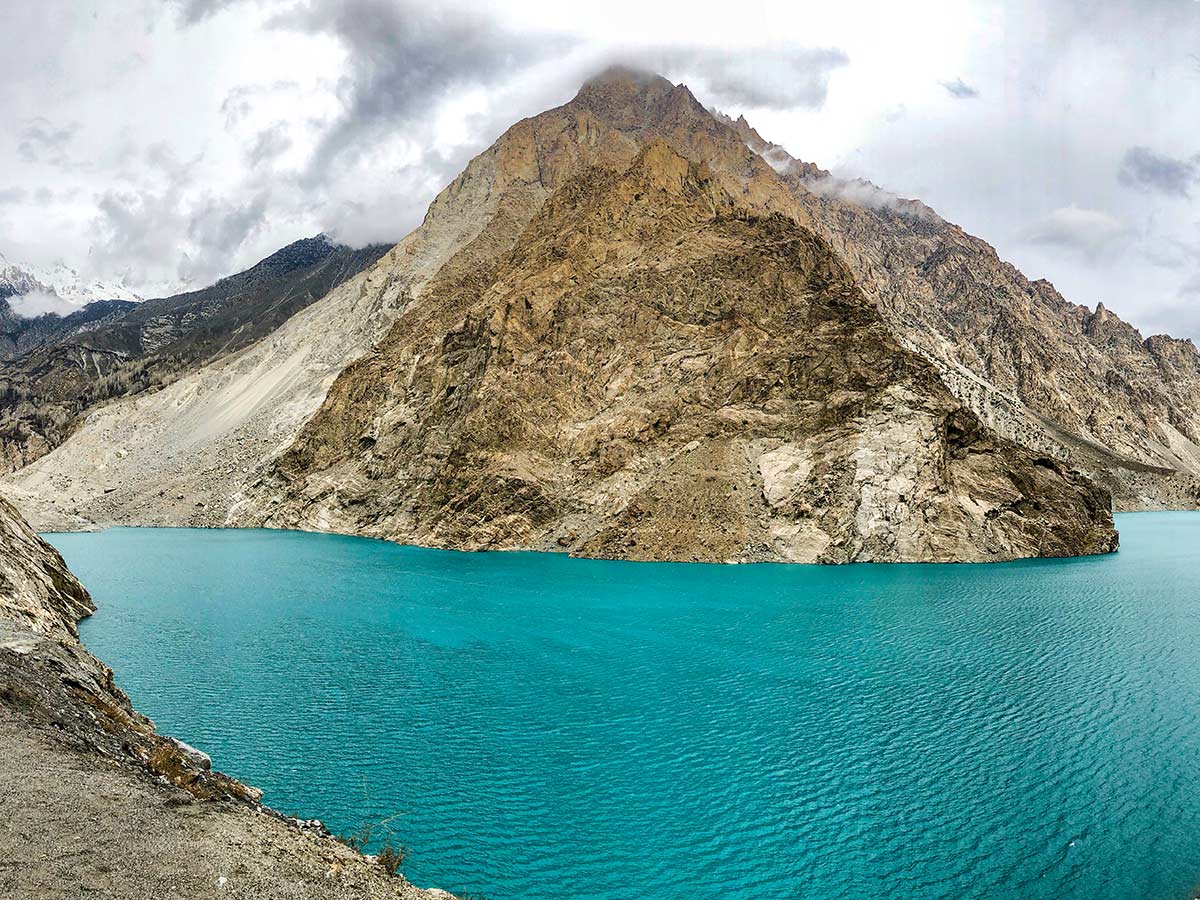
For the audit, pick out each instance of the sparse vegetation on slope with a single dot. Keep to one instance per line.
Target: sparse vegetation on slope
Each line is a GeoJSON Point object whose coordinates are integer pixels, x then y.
{"type": "Point", "coordinates": [47, 389]}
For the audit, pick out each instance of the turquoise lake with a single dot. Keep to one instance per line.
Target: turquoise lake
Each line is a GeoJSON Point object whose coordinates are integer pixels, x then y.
{"type": "Point", "coordinates": [541, 727]}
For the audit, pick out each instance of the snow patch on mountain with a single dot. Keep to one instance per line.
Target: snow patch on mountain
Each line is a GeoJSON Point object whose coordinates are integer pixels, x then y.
{"type": "Point", "coordinates": [33, 290]}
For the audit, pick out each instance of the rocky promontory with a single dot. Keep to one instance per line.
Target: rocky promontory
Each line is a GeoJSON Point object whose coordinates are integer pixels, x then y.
{"type": "Point", "coordinates": [656, 368]}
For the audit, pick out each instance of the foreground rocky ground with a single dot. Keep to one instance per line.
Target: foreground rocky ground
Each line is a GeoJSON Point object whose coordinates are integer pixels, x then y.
{"type": "Point", "coordinates": [94, 802]}
{"type": "Point", "coordinates": [76, 824]}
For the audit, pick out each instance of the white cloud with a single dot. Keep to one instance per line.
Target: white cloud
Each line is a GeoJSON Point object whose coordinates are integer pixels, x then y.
{"type": "Point", "coordinates": [959, 89]}
{"type": "Point", "coordinates": [861, 192]}
{"type": "Point", "coordinates": [38, 303]}
{"type": "Point", "coordinates": [310, 115]}
{"type": "Point", "coordinates": [1088, 231]}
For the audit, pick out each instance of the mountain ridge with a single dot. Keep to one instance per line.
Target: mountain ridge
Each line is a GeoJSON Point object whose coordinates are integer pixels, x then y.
{"type": "Point", "coordinates": [941, 288]}
{"type": "Point", "coordinates": [910, 264]}
{"type": "Point", "coordinates": [47, 388]}
{"type": "Point", "coordinates": [60, 281]}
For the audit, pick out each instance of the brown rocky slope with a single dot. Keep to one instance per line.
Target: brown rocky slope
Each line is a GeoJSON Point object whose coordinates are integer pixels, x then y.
{"type": "Point", "coordinates": [1082, 385]}
{"type": "Point", "coordinates": [658, 369]}
{"type": "Point", "coordinates": [93, 802]}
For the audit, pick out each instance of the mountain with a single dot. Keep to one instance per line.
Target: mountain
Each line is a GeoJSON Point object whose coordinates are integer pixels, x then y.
{"type": "Point", "coordinates": [61, 282]}
{"type": "Point", "coordinates": [683, 372]}
{"type": "Point", "coordinates": [110, 350]}
{"type": "Point", "coordinates": [655, 370]}
{"type": "Point", "coordinates": [41, 305]}
{"type": "Point", "coordinates": [20, 334]}
{"type": "Point", "coordinates": [1080, 385]}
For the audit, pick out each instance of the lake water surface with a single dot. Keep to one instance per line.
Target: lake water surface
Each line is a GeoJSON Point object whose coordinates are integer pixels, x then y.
{"type": "Point", "coordinates": [542, 727]}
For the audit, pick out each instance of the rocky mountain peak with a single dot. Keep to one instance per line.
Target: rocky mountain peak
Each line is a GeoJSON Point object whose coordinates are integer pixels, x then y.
{"type": "Point", "coordinates": [622, 83]}
{"type": "Point", "coordinates": [661, 366]}
{"type": "Point", "coordinates": [1176, 357]}
{"type": "Point", "coordinates": [630, 99]}
{"type": "Point", "coordinates": [1105, 326]}
{"type": "Point", "coordinates": [58, 281]}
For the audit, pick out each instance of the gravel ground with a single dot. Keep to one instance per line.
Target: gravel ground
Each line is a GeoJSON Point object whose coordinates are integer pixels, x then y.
{"type": "Point", "coordinates": [79, 825]}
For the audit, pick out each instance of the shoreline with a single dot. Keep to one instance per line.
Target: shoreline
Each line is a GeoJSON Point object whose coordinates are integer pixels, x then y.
{"type": "Point", "coordinates": [552, 549]}
{"type": "Point", "coordinates": [94, 799]}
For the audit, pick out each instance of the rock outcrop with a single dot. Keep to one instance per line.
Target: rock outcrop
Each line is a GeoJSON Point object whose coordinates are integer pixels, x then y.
{"type": "Point", "coordinates": [37, 591]}
{"type": "Point", "coordinates": [94, 800]}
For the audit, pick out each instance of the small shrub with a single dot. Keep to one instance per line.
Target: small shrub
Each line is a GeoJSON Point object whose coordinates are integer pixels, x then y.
{"type": "Point", "coordinates": [391, 857]}
{"type": "Point", "coordinates": [391, 854]}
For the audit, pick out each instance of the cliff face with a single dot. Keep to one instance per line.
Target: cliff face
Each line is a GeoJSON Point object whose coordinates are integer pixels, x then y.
{"type": "Point", "coordinates": [658, 369]}
{"type": "Point", "coordinates": [36, 589]}
{"type": "Point", "coordinates": [1083, 386]}
{"type": "Point", "coordinates": [95, 801]}
{"type": "Point", "coordinates": [46, 673]}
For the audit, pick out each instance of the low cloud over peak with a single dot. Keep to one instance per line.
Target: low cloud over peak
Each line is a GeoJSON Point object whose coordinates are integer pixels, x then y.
{"type": "Point", "coordinates": [1087, 231]}
{"type": "Point", "coordinates": [777, 79]}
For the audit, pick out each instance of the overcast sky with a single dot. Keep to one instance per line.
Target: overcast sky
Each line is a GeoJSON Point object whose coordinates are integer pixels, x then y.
{"type": "Point", "coordinates": [174, 142]}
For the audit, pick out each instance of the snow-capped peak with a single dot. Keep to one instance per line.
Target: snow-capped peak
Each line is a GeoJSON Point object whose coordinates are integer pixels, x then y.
{"type": "Point", "coordinates": [64, 281]}
{"type": "Point", "coordinates": [58, 282]}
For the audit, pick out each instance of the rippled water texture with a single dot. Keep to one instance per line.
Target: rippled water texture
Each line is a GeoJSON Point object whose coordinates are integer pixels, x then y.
{"type": "Point", "coordinates": [547, 727]}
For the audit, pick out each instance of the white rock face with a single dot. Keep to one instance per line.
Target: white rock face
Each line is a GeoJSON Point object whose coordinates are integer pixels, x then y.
{"type": "Point", "coordinates": [783, 470]}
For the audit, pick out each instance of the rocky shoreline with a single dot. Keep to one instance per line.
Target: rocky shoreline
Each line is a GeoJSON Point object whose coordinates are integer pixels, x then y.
{"type": "Point", "coordinates": [94, 801]}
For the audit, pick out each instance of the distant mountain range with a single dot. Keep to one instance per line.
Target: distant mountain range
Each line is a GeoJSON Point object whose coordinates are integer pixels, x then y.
{"type": "Point", "coordinates": [59, 281]}
{"type": "Point", "coordinates": [38, 305]}
{"type": "Point", "coordinates": [630, 328]}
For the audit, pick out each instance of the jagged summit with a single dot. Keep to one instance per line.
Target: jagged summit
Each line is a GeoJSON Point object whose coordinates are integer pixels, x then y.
{"type": "Point", "coordinates": [626, 78]}
{"type": "Point", "coordinates": [628, 98]}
